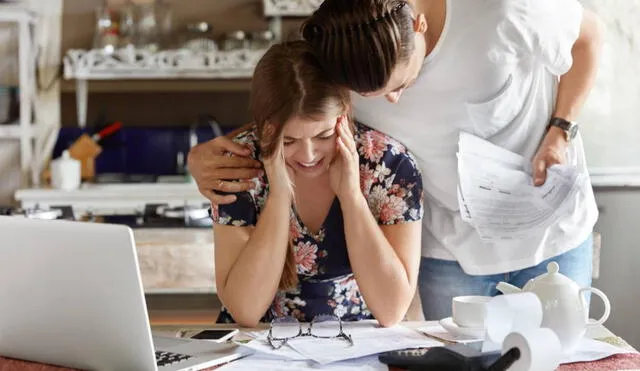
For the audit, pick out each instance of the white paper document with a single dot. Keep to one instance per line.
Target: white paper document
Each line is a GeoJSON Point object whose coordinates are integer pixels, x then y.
{"type": "Point", "coordinates": [368, 338]}
{"type": "Point", "coordinates": [592, 350]}
{"type": "Point", "coordinates": [263, 348]}
{"type": "Point", "coordinates": [497, 196]}
{"type": "Point", "coordinates": [257, 363]}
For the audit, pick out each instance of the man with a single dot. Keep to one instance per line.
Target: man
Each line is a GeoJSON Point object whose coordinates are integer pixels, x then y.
{"type": "Point", "coordinates": [515, 72]}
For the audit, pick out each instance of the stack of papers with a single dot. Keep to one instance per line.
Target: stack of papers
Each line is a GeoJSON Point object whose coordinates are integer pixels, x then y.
{"type": "Point", "coordinates": [303, 353]}
{"type": "Point", "coordinates": [258, 362]}
{"type": "Point", "coordinates": [368, 338]}
{"type": "Point", "coordinates": [496, 194]}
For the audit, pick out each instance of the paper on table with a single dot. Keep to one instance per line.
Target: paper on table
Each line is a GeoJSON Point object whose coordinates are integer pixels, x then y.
{"type": "Point", "coordinates": [439, 332]}
{"type": "Point", "coordinates": [265, 349]}
{"type": "Point", "coordinates": [368, 338]}
{"type": "Point", "coordinates": [592, 350]}
{"type": "Point", "coordinates": [258, 363]}
{"type": "Point", "coordinates": [497, 196]}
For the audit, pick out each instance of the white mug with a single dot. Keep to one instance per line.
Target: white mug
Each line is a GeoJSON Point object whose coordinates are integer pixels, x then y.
{"type": "Point", "coordinates": [469, 311]}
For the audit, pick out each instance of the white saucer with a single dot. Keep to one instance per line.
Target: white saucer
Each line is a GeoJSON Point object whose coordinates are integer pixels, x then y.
{"type": "Point", "coordinates": [467, 332]}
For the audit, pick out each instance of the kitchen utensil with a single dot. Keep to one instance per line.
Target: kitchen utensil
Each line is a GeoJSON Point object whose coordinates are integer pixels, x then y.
{"type": "Point", "coordinates": [105, 132]}
{"type": "Point", "coordinates": [86, 150]}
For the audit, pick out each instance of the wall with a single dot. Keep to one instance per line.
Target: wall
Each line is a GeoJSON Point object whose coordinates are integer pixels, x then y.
{"type": "Point", "coordinates": [610, 121]}
{"type": "Point", "coordinates": [620, 260]}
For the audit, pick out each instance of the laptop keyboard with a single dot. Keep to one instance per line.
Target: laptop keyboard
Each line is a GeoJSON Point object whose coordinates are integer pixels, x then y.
{"type": "Point", "coordinates": [167, 358]}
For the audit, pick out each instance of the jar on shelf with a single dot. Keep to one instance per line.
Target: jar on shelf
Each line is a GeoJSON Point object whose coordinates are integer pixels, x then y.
{"type": "Point", "coordinates": [234, 40]}
{"type": "Point", "coordinates": [106, 36]}
{"type": "Point", "coordinates": [127, 24]}
{"type": "Point", "coordinates": [198, 38]}
{"type": "Point", "coordinates": [261, 40]}
{"type": "Point", "coordinates": [153, 25]}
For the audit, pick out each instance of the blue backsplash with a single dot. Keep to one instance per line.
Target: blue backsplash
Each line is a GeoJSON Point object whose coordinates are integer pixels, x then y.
{"type": "Point", "coordinates": [133, 150]}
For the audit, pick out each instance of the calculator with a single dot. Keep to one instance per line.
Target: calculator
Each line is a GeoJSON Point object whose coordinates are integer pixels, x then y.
{"type": "Point", "coordinates": [455, 357]}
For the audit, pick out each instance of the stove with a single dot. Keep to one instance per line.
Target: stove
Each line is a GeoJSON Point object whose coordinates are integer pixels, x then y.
{"type": "Point", "coordinates": [164, 216]}
{"type": "Point", "coordinates": [151, 205]}
{"type": "Point", "coordinates": [37, 212]}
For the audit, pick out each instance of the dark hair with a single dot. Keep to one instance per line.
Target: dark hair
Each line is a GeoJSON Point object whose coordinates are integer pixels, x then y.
{"type": "Point", "coordinates": [360, 42]}
{"type": "Point", "coordinates": [289, 82]}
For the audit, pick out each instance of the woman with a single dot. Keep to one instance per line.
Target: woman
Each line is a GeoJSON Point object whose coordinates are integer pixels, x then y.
{"type": "Point", "coordinates": [514, 72]}
{"type": "Point", "coordinates": [333, 225]}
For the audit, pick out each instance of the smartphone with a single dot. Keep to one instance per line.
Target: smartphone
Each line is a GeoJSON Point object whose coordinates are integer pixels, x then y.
{"type": "Point", "coordinates": [218, 336]}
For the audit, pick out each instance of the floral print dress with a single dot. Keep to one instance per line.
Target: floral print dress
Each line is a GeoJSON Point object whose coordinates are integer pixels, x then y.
{"type": "Point", "coordinates": [392, 185]}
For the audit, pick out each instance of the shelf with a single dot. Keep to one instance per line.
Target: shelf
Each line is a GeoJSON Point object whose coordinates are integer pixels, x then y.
{"type": "Point", "coordinates": [12, 131]}
{"type": "Point", "coordinates": [142, 86]}
{"type": "Point", "coordinates": [290, 8]}
{"type": "Point", "coordinates": [135, 64]}
{"type": "Point", "coordinates": [16, 12]}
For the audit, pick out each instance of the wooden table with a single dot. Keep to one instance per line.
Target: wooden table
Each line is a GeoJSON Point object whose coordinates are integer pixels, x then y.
{"type": "Point", "coordinates": [614, 363]}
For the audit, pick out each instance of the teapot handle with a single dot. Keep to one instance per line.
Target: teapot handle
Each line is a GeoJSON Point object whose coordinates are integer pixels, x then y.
{"type": "Point", "coordinates": [605, 300]}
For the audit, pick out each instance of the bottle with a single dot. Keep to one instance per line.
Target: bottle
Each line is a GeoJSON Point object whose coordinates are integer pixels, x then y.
{"type": "Point", "coordinates": [65, 172]}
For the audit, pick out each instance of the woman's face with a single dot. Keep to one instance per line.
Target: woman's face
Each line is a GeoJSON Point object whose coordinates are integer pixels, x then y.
{"type": "Point", "coordinates": [309, 145]}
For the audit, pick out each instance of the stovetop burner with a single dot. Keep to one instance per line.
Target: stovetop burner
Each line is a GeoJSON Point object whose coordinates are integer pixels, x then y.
{"type": "Point", "coordinates": [164, 216]}
{"type": "Point", "coordinates": [51, 213]}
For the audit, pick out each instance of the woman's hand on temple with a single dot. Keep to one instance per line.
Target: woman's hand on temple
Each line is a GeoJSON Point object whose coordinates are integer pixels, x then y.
{"type": "Point", "coordinates": [215, 171]}
{"type": "Point", "coordinates": [345, 168]}
{"type": "Point", "coordinates": [279, 174]}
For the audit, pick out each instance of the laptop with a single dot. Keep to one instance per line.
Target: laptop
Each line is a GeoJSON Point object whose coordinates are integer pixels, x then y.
{"type": "Point", "coordinates": [71, 295]}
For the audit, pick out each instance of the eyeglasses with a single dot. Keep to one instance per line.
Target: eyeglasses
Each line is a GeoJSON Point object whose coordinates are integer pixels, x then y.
{"type": "Point", "coordinates": [324, 326]}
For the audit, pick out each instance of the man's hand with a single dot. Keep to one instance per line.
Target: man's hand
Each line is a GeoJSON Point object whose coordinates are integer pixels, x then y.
{"type": "Point", "coordinates": [214, 171]}
{"type": "Point", "coordinates": [551, 152]}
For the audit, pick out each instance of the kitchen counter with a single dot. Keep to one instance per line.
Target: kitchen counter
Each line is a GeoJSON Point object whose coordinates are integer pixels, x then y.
{"type": "Point", "coordinates": [113, 199]}
{"type": "Point", "coordinates": [176, 260]}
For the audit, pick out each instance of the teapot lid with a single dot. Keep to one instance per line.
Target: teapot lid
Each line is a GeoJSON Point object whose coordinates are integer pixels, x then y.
{"type": "Point", "coordinates": [552, 277]}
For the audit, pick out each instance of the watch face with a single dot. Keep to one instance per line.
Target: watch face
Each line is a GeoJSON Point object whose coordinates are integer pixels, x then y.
{"type": "Point", "coordinates": [573, 131]}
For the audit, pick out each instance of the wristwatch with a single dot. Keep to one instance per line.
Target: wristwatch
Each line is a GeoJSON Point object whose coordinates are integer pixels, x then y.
{"type": "Point", "coordinates": [570, 128]}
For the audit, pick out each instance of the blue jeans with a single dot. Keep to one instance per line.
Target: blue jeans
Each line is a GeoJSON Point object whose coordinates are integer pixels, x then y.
{"type": "Point", "coordinates": [441, 280]}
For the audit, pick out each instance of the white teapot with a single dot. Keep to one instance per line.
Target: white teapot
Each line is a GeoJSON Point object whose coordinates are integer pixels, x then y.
{"type": "Point", "coordinates": [564, 307]}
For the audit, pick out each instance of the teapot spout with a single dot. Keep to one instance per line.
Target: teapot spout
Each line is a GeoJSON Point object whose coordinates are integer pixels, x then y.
{"type": "Point", "coordinates": [506, 288]}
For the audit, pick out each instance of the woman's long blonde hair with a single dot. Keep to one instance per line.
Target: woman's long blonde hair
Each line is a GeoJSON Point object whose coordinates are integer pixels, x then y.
{"type": "Point", "coordinates": [289, 82]}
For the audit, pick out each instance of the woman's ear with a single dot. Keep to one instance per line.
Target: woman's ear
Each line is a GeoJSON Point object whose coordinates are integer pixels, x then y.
{"type": "Point", "coordinates": [267, 130]}
{"type": "Point", "coordinates": [420, 23]}
{"type": "Point", "coordinates": [268, 138]}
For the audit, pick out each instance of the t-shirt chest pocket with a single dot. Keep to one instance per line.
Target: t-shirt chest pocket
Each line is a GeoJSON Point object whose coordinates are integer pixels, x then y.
{"type": "Point", "coordinates": [493, 114]}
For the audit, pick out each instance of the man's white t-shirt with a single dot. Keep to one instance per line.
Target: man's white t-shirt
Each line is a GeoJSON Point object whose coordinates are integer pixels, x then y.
{"type": "Point", "coordinates": [494, 73]}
